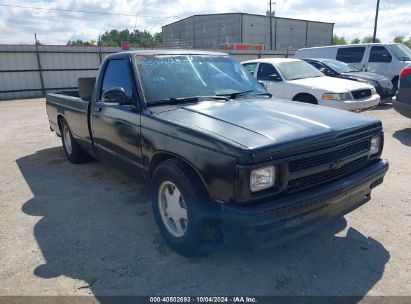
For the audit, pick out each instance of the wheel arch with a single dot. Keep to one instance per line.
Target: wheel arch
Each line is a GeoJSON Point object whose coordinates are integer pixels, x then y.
{"type": "Point", "coordinates": [162, 156]}
{"type": "Point", "coordinates": [302, 94]}
{"type": "Point", "coordinates": [60, 120]}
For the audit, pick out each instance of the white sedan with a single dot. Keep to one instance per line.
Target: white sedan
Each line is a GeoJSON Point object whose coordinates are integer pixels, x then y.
{"type": "Point", "coordinates": [294, 79]}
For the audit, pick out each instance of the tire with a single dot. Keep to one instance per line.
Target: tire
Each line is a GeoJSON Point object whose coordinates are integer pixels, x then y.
{"type": "Point", "coordinates": [74, 153]}
{"type": "Point", "coordinates": [395, 84]}
{"type": "Point", "coordinates": [306, 99]}
{"type": "Point", "coordinates": [194, 228]}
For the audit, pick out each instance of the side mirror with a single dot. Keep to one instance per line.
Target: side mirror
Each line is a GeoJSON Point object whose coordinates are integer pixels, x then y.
{"type": "Point", "coordinates": [263, 84]}
{"type": "Point", "coordinates": [323, 70]}
{"type": "Point", "coordinates": [116, 96]}
{"type": "Point", "coordinates": [275, 78]}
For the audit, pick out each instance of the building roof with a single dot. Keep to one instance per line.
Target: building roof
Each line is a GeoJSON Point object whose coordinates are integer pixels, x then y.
{"type": "Point", "coordinates": [204, 15]}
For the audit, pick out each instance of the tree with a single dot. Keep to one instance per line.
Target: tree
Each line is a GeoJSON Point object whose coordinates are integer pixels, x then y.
{"type": "Point", "coordinates": [80, 42]}
{"type": "Point", "coordinates": [338, 40]}
{"type": "Point", "coordinates": [368, 39]}
{"type": "Point", "coordinates": [403, 40]}
{"type": "Point", "coordinates": [356, 41]}
{"type": "Point", "coordinates": [136, 38]}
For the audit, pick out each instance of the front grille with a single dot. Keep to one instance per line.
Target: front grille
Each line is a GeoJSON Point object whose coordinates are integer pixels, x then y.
{"type": "Point", "coordinates": [324, 158]}
{"type": "Point", "coordinates": [326, 176]}
{"type": "Point", "coordinates": [359, 94]}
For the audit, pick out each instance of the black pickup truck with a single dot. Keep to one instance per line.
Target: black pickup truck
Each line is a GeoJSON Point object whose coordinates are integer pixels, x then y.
{"type": "Point", "coordinates": [222, 158]}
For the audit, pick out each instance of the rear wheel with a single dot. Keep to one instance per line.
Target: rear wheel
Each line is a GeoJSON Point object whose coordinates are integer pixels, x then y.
{"type": "Point", "coordinates": [72, 149]}
{"type": "Point", "coordinates": [306, 99]}
{"type": "Point", "coordinates": [183, 212]}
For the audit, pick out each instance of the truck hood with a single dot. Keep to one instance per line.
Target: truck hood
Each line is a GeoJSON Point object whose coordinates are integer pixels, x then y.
{"type": "Point", "coordinates": [261, 124]}
{"type": "Point", "coordinates": [331, 84]}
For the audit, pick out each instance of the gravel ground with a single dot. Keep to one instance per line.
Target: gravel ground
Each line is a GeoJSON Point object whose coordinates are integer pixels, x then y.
{"type": "Point", "coordinates": [87, 229]}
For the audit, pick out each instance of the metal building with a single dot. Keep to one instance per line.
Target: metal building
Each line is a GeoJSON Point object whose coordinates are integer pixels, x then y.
{"type": "Point", "coordinates": [214, 30]}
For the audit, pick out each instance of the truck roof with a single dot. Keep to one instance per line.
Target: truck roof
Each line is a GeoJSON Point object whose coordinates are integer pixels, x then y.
{"type": "Point", "coordinates": [173, 52]}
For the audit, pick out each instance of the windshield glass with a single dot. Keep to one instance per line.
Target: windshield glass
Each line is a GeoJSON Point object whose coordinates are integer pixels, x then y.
{"type": "Point", "coordinates": [339, 66]}
{"type": "Point", "coordinates": [402, 52]}
{"type": "Point", "coordinates": [179, 76]}
{"type": "Point", "coordinates": [293, 70]}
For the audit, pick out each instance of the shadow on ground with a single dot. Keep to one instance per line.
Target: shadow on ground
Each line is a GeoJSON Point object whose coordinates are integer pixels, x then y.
{"type": "Point", "coordinates": [404, 136]}
{"type": "Point", "coordinates": [96, 226]}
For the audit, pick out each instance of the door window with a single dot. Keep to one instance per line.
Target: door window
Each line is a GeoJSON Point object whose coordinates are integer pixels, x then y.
{"type": "Point", "coordinates": [379, 54]}
{"type": "Point", "coordinates": [265, 70]}
{"type": "Point", "coordinates": [251, 67]}
{"type": "Point", "coordinates": [350, 54]}
{"type": "Point", "coordinates": [118, 75]}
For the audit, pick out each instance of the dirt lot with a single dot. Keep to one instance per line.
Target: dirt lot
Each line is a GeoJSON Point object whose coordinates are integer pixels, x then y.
{"type": "Point", "coordinates": [86, 229]}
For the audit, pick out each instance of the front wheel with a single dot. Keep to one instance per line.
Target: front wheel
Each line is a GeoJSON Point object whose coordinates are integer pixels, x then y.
{"type": "Point", "coordinates": [183, 212]}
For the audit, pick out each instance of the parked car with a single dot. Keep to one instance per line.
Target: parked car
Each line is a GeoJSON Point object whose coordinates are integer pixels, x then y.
{"type": "Point", "coordinates": [339, 69]}
{"type": "Point", "coordinates": [222, 159]}
{"type": "Point", "coordinates": [402, 104]}
{"type": "Point", "coordinates": [386, 59]}
{"type": "Point", "coordinates": [294, 79]}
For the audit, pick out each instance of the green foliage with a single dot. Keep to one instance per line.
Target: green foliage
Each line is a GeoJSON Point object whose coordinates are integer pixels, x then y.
{"type": "Point", "coordinates": [338, 40]}
{"type": "Point", "coordinates": [135, 38]}
{"type": "Point", "coordinates": [356, 41]}
{"type": "Point", "coordinates": [368, 39]}
{"type": "Point", "coordinates": [403, 40]}
{"type": "Point", "coordinates": [79, 42]}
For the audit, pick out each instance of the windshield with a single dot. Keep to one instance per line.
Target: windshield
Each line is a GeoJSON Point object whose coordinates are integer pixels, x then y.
{"type": "Point", "coordinates": [293, 70]}
{"type": "Point", "coordinates": [339, 66]}
{"type": "Point", "coordinates": [165, 77]}
{"type": "Point", "coordinates": [402, 52]}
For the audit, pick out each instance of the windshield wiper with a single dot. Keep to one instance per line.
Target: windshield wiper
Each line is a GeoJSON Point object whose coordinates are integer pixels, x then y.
{"type": "Point", "coordinates": [235, 94]}
{"type": "Point", "coordinates": [177, 100]}
{"type": "Point", "coordinates": [264, 94]}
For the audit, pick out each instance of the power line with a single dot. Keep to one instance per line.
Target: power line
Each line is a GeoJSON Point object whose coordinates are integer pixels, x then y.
{"type": "Point", "coordinates": [81, 11]}
{"type": "Point", "coordinates": [353, 26]}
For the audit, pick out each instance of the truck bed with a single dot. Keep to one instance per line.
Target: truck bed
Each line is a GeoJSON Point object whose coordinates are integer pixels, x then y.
{"type": "Point", "coordinates": [69, 106]}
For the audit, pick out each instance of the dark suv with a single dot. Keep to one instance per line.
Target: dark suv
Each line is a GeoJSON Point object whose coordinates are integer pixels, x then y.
{"type": "Point", "coordinates": [335, 68]}
{"type": "Point", "coordinates": [403, 103]}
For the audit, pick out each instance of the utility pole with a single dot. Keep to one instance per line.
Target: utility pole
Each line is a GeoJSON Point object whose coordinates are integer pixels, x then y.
{"type": "Point", "coordinates": [271, 24]}
{"type": "Point", "coordinates": [374, 37]}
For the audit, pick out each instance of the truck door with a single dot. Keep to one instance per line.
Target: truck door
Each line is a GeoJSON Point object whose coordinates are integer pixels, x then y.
{"type": "Point", "coordinates": [379, 61]}
{"type": "Point", "coordinates": [115, 127]}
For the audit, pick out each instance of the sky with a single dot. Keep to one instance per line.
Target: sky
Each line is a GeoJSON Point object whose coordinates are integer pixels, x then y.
{"type": "Point", "coordinates": [352, 18]}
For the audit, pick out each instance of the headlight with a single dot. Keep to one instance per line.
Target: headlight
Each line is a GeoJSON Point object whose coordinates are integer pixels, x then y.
{"type": "Point", "coordinates": [337, 96]}
{"type": "Point", "coordinates": [375, 145]}
{"type": "Point", "coordinates": [262, 178]}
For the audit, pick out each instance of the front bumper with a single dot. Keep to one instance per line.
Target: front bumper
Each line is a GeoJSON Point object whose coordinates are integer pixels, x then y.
{"type": "Point", "coordinates": [354, 105]}
{"type": "Point", "coordinates": [289, 217]}
{"type": "Point", "coordinates": [402, 107]}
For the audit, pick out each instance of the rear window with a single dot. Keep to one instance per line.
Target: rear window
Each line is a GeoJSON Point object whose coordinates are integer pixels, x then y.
{"type": "Point", "coordinates": [351, 54]}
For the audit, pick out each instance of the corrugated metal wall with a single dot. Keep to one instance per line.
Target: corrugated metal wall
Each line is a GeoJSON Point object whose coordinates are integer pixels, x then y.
{"type": "Point", "coordinates": [210, 31]}
{"type": "Point", "coordinates": [61, 66]}
{"type": "Point", "coordinates": [20, 72]}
